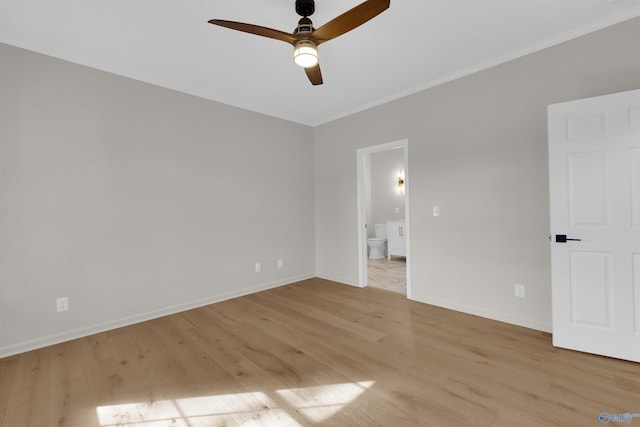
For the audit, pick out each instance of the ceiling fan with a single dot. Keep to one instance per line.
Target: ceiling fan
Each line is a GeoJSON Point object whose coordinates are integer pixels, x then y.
{"type": "Point", "coordinates": [305, 39]}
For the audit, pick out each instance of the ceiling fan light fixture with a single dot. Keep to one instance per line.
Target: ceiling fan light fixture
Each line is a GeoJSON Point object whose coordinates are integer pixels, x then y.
{"type": "Point", "coordinates": [305, 54]}
{"type": "Point", "coordinates": [305, 38]}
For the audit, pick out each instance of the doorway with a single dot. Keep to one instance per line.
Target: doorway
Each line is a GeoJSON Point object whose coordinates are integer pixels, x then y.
{"type": "Point", "coordinates": [396, 215]}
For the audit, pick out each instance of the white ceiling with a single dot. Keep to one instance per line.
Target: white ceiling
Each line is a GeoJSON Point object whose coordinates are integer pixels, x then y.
{"type": "Point", "coordinates": [413, 45]}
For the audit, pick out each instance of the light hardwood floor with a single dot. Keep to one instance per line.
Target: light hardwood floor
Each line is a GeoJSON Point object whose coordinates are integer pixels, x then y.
{"type": "Point", "coordinates": [390, 274]}
{"type": "Point", "coordinates": [315, 353]}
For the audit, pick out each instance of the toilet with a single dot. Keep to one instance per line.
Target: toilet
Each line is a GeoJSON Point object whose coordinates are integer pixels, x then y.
{"type": "Point", "coordinates": [377, 244]}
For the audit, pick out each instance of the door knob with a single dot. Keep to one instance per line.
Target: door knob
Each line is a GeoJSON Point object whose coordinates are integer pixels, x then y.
{"type": "Point", "coordinates": [562, 238]}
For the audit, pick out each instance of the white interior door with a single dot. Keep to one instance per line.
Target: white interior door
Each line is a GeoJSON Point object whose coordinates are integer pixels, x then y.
{"type": "Point", "coordinates": [594, 172]}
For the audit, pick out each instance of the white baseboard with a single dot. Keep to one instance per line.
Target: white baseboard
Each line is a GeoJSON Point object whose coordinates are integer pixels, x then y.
{"type": "Point", "coordinates": [45, 341]}
{"type": "Point", "coordinates": [477, 311]}
{"type": "Point", "coordinates": [337, 279]}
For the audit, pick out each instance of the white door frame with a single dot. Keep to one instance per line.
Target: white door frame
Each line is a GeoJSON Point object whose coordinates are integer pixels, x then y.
{"type": "Point", "coordinates": [362, 217]}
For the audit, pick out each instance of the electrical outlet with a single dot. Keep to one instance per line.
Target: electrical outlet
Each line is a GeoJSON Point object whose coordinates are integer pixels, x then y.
{"type": "Point", "coordinates": [62, 304]}
{"type": "Point", "coordinates": [280, 264]}
{"type": "Point", "coordinates": [258, 267]}
{"type": "Point", "coordinates": [518, 291]}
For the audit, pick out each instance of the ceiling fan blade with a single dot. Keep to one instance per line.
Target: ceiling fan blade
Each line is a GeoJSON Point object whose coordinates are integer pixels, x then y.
{"type": "Point", "coordinates": [349, 20]}
{"type": "Point", "coordinates": [257, 30]}
{"type": "Point", "coordinates": [314, 74]}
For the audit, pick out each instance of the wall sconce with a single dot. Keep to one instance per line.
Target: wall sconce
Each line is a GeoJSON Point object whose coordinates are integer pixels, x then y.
{"type": "Point", "coordinates": [401, 181]}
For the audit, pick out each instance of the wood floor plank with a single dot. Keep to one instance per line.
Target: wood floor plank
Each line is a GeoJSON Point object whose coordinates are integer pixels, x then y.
{"type": "Point", "coordinates": [8, 371]}
{"type": "Point", "coordinates": [315, 353]}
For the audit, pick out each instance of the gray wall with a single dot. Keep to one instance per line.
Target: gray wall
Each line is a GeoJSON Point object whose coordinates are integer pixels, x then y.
{"type": "Point", "coordinates": [135, 201]}
{"type": "Point", "coordinates": [478, 149]}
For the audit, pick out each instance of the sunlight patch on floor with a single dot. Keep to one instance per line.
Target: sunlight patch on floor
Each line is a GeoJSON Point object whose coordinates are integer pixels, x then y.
{"type": "Point", "coordinates": [315, 404]}
{"type": "Point", "coordinates": [322, 402]}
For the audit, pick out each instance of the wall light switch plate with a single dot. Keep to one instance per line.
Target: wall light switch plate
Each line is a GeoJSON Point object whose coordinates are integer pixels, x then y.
{"type": "Point", "coordinates": [436, 211]}
{"type": "Point", "coordinates": [62, 304]}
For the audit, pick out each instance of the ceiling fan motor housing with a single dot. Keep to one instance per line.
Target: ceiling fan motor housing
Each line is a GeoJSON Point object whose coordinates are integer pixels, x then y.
{"type": "Point", "coordinates": [305, 7]}
{"type": "Point", "coordinates": [305, 26]}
